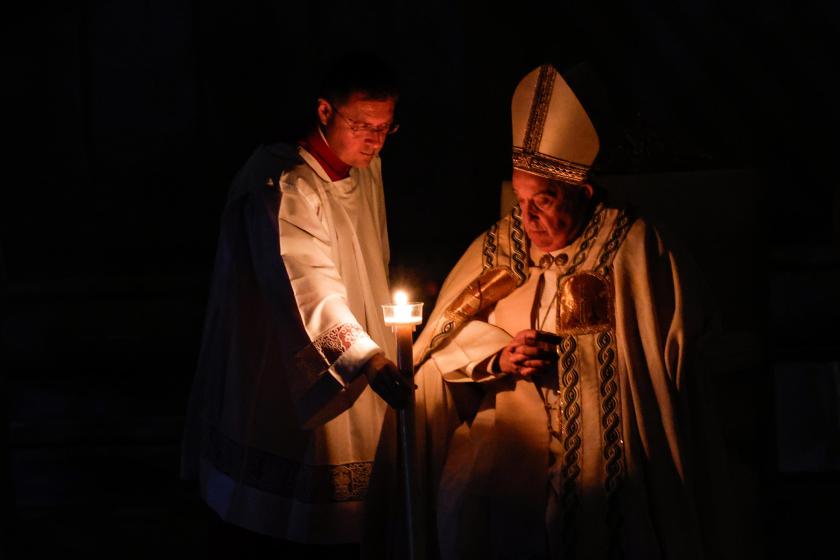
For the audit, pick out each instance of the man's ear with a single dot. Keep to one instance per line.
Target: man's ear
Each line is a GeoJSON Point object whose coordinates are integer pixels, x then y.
{"type": "Point", "coordinates": [325, 111]}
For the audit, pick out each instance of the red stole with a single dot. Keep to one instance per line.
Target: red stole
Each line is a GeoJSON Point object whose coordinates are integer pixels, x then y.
{"type": "Point", "coordinates": [315, 144]}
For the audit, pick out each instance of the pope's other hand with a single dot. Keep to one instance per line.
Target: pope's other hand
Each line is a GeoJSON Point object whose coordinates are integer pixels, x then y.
{"type": "Point", "coordinates": [529, 353]}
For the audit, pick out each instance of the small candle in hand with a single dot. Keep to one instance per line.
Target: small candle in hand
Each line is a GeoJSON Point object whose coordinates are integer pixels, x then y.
{"type": "Point", "coordinates": [402, 312]}
{"type": "Point", "coordinates": [402, 317]}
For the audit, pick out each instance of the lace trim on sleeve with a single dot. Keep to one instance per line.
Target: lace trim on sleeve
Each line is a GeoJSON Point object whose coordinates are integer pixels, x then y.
{"type": "Point", "coordinates": [318, 356]}
{"type": "Point", "coordinates": [334, 342]}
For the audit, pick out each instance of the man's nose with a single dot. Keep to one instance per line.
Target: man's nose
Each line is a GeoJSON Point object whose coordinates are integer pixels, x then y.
{"type": "Point", "coordinates": [375, 139]}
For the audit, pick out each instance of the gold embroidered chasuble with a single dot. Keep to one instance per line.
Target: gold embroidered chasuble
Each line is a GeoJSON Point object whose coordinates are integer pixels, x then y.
{"type": "Point", "coordinates": [593, 462]}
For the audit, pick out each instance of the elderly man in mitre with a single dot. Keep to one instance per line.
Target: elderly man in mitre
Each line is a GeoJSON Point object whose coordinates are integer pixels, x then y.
{"type": "Point", "coordinates": [559, 407]}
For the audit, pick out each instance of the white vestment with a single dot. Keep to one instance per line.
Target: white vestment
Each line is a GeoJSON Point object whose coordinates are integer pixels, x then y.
{"type": "Point", "coordinates": [608, 456]}
{"type": "Point", "coordinates": [282, 427]}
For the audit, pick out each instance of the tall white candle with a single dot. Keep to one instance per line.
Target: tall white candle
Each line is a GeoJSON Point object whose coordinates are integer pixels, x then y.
{"type": "Point", "coordinates": [402, 317]}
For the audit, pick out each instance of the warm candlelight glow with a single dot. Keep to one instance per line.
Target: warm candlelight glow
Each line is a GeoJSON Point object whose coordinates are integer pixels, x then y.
{"type": "Point", "coordinates": [401, 312]}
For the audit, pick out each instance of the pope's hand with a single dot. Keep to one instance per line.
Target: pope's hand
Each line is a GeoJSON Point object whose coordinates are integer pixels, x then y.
{"type": "Point", "coordinates": [529, 352]}
{"type": "Point", "coordinates": [385, 378]}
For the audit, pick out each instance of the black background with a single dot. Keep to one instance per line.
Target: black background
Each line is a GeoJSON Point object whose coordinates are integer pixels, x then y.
{"type": "Point", "coordinates": [124, 123]}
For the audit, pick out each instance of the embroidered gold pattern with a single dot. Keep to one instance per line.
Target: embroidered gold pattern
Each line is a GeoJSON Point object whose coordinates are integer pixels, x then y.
{"type": "Point", "coordinates": [518, 243]}
{"type": "Point", "coordinates": [490, 247]}
{"type": "Point", "coordinates": [570, 412]}
{"type": "Point", "coordinates": [613, 441]}
{"type": "Point", "coordinates": [584, 304]}
{"type": "Point", "coordinates": [491, 285]}
{"type": "Point", "coordinates": [550, 167]}
{"type": "Point", "coordinates": [596, 317]}
{"type": "Point", "coordinates": [539, 107]}
{"type": "Point", "coordinates": [621, 227]}
{"type": "Point", "coordinates": [528, 156]}
{"type": "Point", "coordinates": [589, 235]}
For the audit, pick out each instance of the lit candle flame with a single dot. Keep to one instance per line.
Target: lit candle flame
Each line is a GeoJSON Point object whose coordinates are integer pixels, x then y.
{"type": "Point", "coordinates": [401, 312]}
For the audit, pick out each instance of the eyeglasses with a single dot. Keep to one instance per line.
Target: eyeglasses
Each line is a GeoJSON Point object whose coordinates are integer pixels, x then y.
{"type": "Point", "coordinates": [359, 128]}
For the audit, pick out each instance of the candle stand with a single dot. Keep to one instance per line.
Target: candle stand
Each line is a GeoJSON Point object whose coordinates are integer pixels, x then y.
{"type": "Point", "coordinates": [403, 317]}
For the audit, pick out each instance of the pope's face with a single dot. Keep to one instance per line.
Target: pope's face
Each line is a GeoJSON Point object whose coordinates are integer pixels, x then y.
{"type": "Point", "coordinates": [356, 130]}
{"type": "Point", "coordinates": [552, 212]}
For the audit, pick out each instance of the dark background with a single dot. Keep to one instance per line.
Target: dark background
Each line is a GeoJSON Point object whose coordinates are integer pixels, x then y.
{"type": "Point", "coordinates": [124, 123]}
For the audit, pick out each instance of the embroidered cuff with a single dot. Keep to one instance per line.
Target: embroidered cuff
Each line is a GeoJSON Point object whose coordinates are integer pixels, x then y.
{"type": "Point", "coordinates": [341, 350]}
{"type": "Point", "coordinates": [350, 364]}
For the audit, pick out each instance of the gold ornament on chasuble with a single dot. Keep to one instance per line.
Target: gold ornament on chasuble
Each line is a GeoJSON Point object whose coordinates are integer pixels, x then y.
{"type": "Point", "coordinates": [492, 285]}
{"type": "Point", "coordinates": [503, 269]}
{"type": "Point", "coordinates": [584, 304]}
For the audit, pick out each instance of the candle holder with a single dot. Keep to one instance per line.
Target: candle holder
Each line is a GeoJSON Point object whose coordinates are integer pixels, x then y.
{"type": "Point", "coordinates": [403, 317]}
{"type": "Point", "coordinates": [401, 314]}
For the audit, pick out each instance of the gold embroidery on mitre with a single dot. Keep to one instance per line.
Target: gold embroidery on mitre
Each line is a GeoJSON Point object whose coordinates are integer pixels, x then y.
{"type": "Point", "coordinates": [553, 136]}
{"type": "Point", "coordinates": [584, 304]}
{"type": "Point", "coordinates": [550, 167]}
{"type": "Point", "coordinates": [539, 108]}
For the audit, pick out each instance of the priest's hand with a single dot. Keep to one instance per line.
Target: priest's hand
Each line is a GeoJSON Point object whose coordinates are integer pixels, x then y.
{"type": "Point", "coordinates": [385, 378]}
{"type": "Point", "coordinates": [530, 352]}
